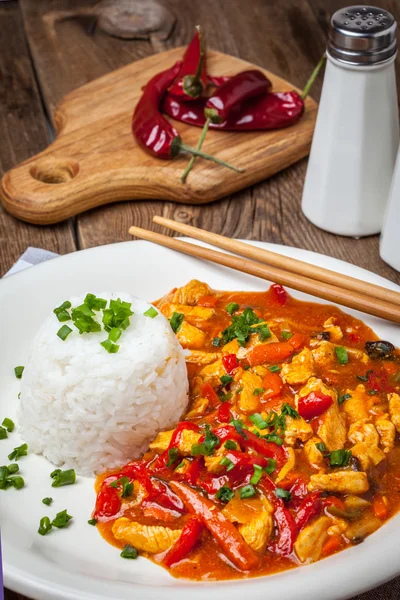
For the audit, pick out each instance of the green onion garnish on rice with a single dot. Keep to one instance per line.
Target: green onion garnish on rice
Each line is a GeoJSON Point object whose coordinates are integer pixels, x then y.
{"type": "Point", "coordinates": [95, 303]}
{"type": "Point", "coordinates": [151, 312]}
{"type": "Point", "coordinates": [60, 477]}
{"type": "Point", "coordinates": [109, 346]}
{"type": "Point", "coordinates": [18, 372]}
{"type": "Point", "coordinates": [8, 424]}
{"type": "Point", "coordinates": [64, 332]}
{"type": "Point", "coordinates": [61, 311]}
{"type": "Point", "coordinates": [115, 334]}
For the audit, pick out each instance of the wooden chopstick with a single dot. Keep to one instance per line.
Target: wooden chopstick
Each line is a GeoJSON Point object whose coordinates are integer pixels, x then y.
{"type": "Point", "coordinates": [322, 290]}
{"type": "Point", "coordinates": [282, 262]}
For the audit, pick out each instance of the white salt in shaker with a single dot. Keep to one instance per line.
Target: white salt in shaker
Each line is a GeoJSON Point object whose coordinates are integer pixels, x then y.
{"type": "Point", "coordinates": [357, 131]}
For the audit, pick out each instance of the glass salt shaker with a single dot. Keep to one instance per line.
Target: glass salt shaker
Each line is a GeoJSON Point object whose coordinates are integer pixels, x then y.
{"type": "Point", "coordinates": [357, 131]}
{"type": "Point", "coordinates": [390, 239]}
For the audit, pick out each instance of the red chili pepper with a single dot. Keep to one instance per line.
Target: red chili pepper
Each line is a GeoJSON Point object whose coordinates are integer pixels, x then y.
{"type": "Point", "coordinates": [275, 110]}
{"type": "Point", "coordinates": [192, 80]}
{"type": "Point", "coordinates": [218, 80]}
{"type": "Point", "coordinates": [313, 405]}
{"type": "Point", "coordinates": [230, 362]}
{"type": "Point", "coordinates": [108, 503]}
{"type": "Point", "coordinates": [278, 294]}
{"type": "Point", "coordinates": [310, 507]}
{"type": "Point", "coordinates": [152, 131]}
{"type": "Point", "coordinates": [207, 391]}
{"type": "Point", "coordinates": [224, 414]}
{"type": "Point", "coordinates": [190, 535]}
{"type": "Point", "coordinates": [230, 96]}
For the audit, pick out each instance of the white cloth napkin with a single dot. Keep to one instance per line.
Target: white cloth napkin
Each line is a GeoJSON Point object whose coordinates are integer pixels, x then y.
{"type": "Point", "coordinates": [31, 256]}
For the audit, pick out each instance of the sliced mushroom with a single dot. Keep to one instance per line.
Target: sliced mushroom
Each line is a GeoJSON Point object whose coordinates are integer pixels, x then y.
{"type": "Point", "coordinates": [379, 349]}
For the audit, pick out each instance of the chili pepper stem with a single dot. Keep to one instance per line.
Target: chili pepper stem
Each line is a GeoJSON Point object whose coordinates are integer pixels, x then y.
{"type": "Point", "coordinates": [196, 152]}
{"type": "Point", "coordinates": [198, 147]}
{"type": "Point", "coordinates": [192, 84]}
{"type": "Point", "coordinates": [313, 77]}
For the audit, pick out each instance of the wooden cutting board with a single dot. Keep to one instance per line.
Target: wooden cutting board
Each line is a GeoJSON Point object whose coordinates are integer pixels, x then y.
{"type": "Point", "coordinates": [95, 159]}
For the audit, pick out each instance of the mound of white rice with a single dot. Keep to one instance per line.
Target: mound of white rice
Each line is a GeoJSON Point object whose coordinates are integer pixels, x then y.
{"type": "Point", "coordinates": [86, 409]}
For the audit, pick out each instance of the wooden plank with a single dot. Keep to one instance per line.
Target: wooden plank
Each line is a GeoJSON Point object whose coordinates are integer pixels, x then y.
{"type": "Point", "coordinates": [23, 132]}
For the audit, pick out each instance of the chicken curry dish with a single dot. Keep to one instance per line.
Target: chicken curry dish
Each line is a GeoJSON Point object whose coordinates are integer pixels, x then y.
{"type": "Point", "coordinates": [288, 451]}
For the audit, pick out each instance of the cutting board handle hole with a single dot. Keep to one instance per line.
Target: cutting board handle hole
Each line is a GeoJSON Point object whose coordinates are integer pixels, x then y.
{"type": "Point", "coordinates": [55, 170]}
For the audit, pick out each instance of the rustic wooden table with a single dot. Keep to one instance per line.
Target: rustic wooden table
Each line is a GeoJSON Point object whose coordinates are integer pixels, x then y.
{"type": "Point", "coordinates": [50, 47]}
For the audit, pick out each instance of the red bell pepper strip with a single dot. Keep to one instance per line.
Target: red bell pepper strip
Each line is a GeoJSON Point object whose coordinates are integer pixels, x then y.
{"type": "Point", "coordinates": [192, 473]}
{"type": "Point", "coordinates": [108, 503]}
{"type": "Point", "coordinates": [286, 526]}
{"type": "Point", "coordinates": [297, 340]}
{"type": "Point", "coordinates": [192, 81]}
{"type": "Point", "coordinates": [208, 392]}
{"type": "Point", "coordinates": [314, 405]}
{"type": "Point", "coordinates": [270, 353]}
{"type": "Point", "coordinates": [152, 131]}
{"type": "Point", "coordinates": [225, 533]}
{"type": "Point", "coordinates": [190, 535]}
{"type": "Point", "coordinates": [310, 507]}
{"type": "Point", "coordinates": [250, 440]}
{"type": "Point", "coordinates": [278, 294]}
{"type": "Point", "coordinates": [230, 362]}
{"type": "Point", "coordinates": [272, 384]}
{"type": "Point", "coordinates": [230, 96]}
{"type": "Point", "coordinates": [224, 414]}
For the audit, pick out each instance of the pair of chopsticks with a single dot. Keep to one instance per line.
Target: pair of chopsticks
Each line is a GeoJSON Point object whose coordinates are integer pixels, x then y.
{"type": "Point", "coordinates": [317, 281]}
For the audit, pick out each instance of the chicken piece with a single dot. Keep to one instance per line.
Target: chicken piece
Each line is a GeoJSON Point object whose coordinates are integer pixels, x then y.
{"type": "Point", "coordinates": [394, 410]}
{"type": "Point", "coordinates": [231, 347]}
{"type": "Point", "coordinates": [300, 369]}
{"type": "Point", "coordinates": [387, 433]}
{"type": "Point", "coordinates": [344, 482]}
{"type": "Point", "coordinates": [335, 333]}
{"type": "Point", "coordinates": [297, 429]}
{"type": "Point", "coordinates": [193, 314]}
{"type": "Point", "coordinates": [191, 292]}
{"type": "Point", "coordinates": [357, 406]}
{"type": "Point", "coordinates": [198, 409]}
{"type": "Point", "coordinates": [313, 455]}
{"type": "Point", "coordinates": [310, 541]}
{"type": "Point", "coordinates": [324, 355]}
{"type": "Point", "coordinates": [363, 432]}
{"type": "Point", "coordinates": [213, 372]}
{"type": "Point", "coordinates": [258, 532]}
{"type": "Point", "coordinates": [338, 526]}
{"type": "Point", "coordinates": [183, 466]}
{"type": "Point", "coordinates": [198, 357]}
{"type": "Point", "coordinates": [213, 463]}
{"type": "Point", "coordinates": [288, 466]}
{"type": "Point", "coordinates": [358, 354]}
{"type": "Point", "coordinates": [187, 439]}
{"type": "Point", "coordinates": [148, 538]}
{"type": "Point", "coordinates": [367, 454]}
{"type": "Point", "coordinates": [242, 351]}
{"type": "Point", "coordinates": [248, 402]}
{"type": "Point", "coordinates": [190, 336]}
{"type": "Point", "coordinates": [162, 441]}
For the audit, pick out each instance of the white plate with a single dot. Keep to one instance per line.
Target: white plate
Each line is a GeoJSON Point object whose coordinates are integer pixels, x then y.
{"type": "Point", "coordinates": [76, 563]}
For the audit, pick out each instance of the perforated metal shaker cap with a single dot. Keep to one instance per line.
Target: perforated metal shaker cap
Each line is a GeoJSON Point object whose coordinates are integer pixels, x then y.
{"type": "Point", "coordinates": [362, 35]}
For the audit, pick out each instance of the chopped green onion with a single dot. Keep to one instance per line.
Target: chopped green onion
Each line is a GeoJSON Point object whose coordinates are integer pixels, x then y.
{"type": "Point", "coordinates": [230, 445]}
{"type": "Point", "coordinates": [225, 379]}
{"type": "Point", "coordinates": [226, 462]}
{"type": "Point", "coordinates": [18, 372]}
{"type": "Point", "coordinates": [45, 526]}
{"type": "Point", "coordinates": [207, 447]}
{"type": "Point", "coordinates": [321, 447]}
{"type": "Point", "coordinates": [286, 335]}
{"type": "Point", "coordinates": [273, 437]}
{"type": "Point", "coordinates": [64, 316]}
{"type": "Point", "coordinates": [238, 425]}
{"type": "Point", "coordinates": [247, 491]}
{"type": "Point", "coordinates": [342, 355]}
{"type": "Point", "coordinates": [127, 486]}
{"type": "Point", "coordinates": [17, 482]}
{"type": "Point", "coordinates": [151, 312]}
{"type": "Point", "coordinates": [64, 332]}
{"type": "Point", "coordinates": [129, 552]}
{"type": "Point", "coordinates": [176, 321]}
{"type": "Point", "coordinates": [8, 424]}
{"type": "Point", "coordinates": [225, 494]}
{"type": "Point", "coordinates": [263, 332]}
{"type": "Point", "coordinates": [92, 522]}
{"type": "Point", "coordinates": [13, 468]}
{"type": "Point", "coordinates": [60, 478]}
{"type": "Point", "coordinates": [18, 452]}
{"type": "Point", "coordinates": [232, 307]}
{"type": "Point", "coordinates": [256, 475]}
{"type": "Point", "coordinates": [61, 520]}
{"type": "Point", "coordinates": [3, 434]}
{"type": "Point", "coordinates": [343, 397]}
{"type": "Point", "coordinates": [258, 421]}
{"type": "Point", "coordinates": [271, 466]}
{"type": "Point", "coordinates": [289, 411]}
{"type": "Point", "coordinates": [339, 458]}
{"type": "Point", "coordinates": [216, 341]}
{"type": "Point", "coordinates": [47, 501]}
{"type": "Point", "coordinates": [225, 397]}
{"type": "Point", "coordinates": [61, 311]}
{"type": "Point", "coordinates": [109, 346]}
{"type": "Point", "coordinates": [95, 303]}
{"type": "Point", "coordinates": [274, 368]}
{"type": "Point", "coordinates": [173, 455]}
{"type": "Point", "coordinates": [366, 376]}
{"type": "Point", "coordinates": [258, 391]}
{"type": "Point", "coordinates": [115, 334]}
{"type": "Point", "coordinates": [283, 494]}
